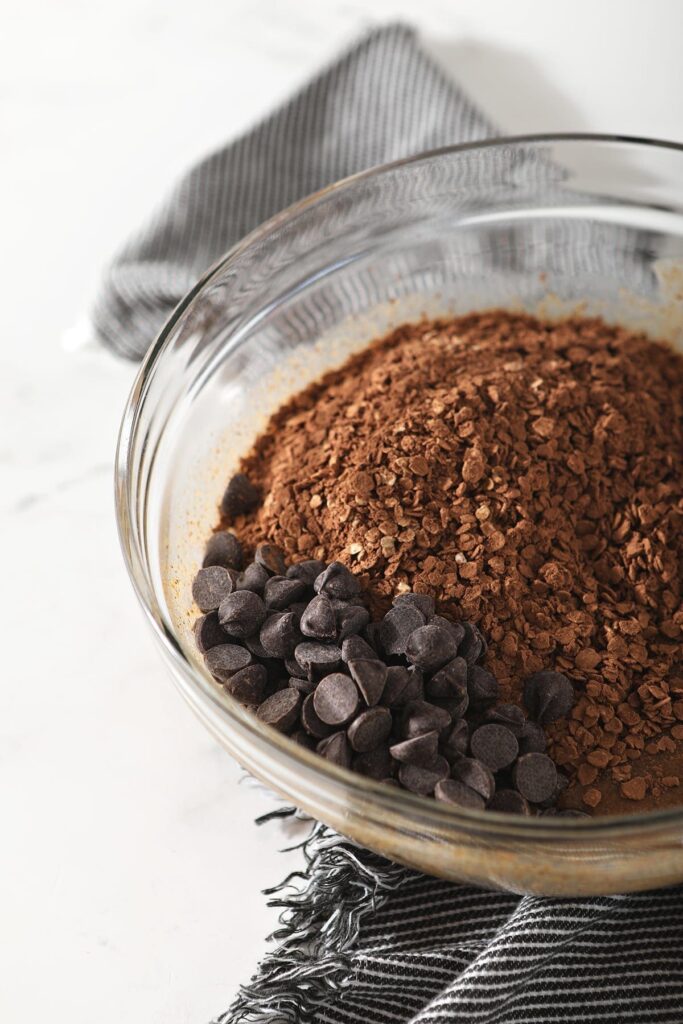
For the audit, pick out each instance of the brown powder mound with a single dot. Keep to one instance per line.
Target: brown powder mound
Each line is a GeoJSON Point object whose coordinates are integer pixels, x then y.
{"type": "Point", "coordinates": [528, 475]}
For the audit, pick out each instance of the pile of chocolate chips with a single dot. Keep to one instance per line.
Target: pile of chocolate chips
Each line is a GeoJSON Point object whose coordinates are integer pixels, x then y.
{"type": "Point", "coordinates": [403, 700]}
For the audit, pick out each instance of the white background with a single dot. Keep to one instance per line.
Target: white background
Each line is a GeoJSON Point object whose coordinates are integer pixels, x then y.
{"type": "Point", "coordinates": [130, 874]}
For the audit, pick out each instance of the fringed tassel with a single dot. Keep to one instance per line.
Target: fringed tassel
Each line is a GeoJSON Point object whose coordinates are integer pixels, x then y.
{"type": "Point", "coordinates": [322, 908]}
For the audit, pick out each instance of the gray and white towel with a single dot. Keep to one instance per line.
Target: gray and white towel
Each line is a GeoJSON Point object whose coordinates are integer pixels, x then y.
{"type": "Point", "coordinates": [364, 940]}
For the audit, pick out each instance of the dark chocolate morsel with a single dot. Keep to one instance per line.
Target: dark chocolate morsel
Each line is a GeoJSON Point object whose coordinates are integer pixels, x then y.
{"type": "Point", "coordinates": [370, 677]}
{"type": "Point", "coordinates": [336, 748]}
{"type": "Point", "coordinates": [304, 686]}
{"type": "Point", "coordinates": [452, 791]}
{"type": "Point", "coordinates": [476, 775]}
{"type": "Point", "coordinates": [307, 571]}
{"type": "Point", "coordinates": [313, 725]}
{"type": "Point", "coordinates": [248, 685]}
{"type": "Point", "coordinates": [226, 659]}
{"type": "Point", "coordinates": [510, 715]}
{"type": "Point", "coordinates": [351, 619]}
{"type": "Point", "coordinates": [253, 578]}
{"type": "Point", "coordinates": [375, 764]}
{"type": "Point", "coordinates": [355, 648]}
{"type": "Point", "coordinates": [548, 696]}
{"type": "Point", "coordinates": [420, 750]}
{"type": "Point", "coordinates": [211, 585]}
{"type": "Point", "coordinates": [449, 681]}
{"type": "Point", "coordinates": [369, 729]}
{"type": "Point", "coordinates": [482, 687]}
{"type": "Point", "coordinates": [337, 581]}
{"type": "Point", "coordinates": [313, 656]}
{"type": "Point", "coordinates": [270, 556]}
{"type": "Point", "coordinates": [509, 801]}
{"type": "Point", "coordinates": [336, 699]}
{"type": "Point", "coordinates": [242, 614]}
{"type": "Point", "coordinates": [279, 592]}
{"type": "Point", "coordinates": [457, 741]}
{"type": "Point", "coordinates": [223, 548]}
{"type": "Point", "coordinates": [240, 496]}
{"type": "Point", "coordinates": [423, 602]}
{"type": "Point", "coordinates": [532, 739]}
{"type": "Point", "coordinates": [420, 717]}
{"type": "Point", "coordinates": [423, 780]}
{"type": "Point", "coordinates": [535, 777]}
{"type": "Point", "coordinates": [431, 647]}
{"type": "Point", "coordinates": [319, 620]}
{"type": "Point", "coordinates": [495, 745]}
{"type": "Point", "coordinates": [456, 629]}
{"type": "Point", "coordinates": [208, 632]}
{"type": "Point", "coordinates": [280, 634]}
{"type": "Point", "coordinates": [473, 646]}
{"type": "Point", "coordinates": [281, 710]}
{"type": "Point", "coordinates": [396, 686]}
{"type": "Point", "coordinates": [397, 625]}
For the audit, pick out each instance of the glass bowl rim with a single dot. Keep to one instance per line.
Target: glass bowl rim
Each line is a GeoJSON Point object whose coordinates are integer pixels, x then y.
{"type": "Point", "coordinates": [402, 803]}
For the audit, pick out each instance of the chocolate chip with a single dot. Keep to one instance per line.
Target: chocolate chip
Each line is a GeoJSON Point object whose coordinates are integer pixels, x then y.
{"type": "Point", "coordinates": [535, 777]}
{"type": "Point", "coordinates": [307, 571]}
{"type": "Point", "coordinates": [449, 681]}
{"type": "Point", "coordinates": [415, 689]}
{"type": "Point", "coordinates": [254, 578]}
{"type": "Point", "coordinates": [369, 729]}
{"type": "Point", "coordinates": [208, 632]}
{"type": "Point", "coordinates": [371, 634]}
{"type": "Point", "coordinates": [375, 764]}
{"type": "Point", "coordinates": [509, 801]}
{"type": "Point", "coordinates": [509, 715]}
{"type": "Point", "coordinates": [270, 556]}
{"type": "Point", "coordinates": [548, 696]}
{"type": "Point", "coordinates": [240, 496]}
{"type": "Point", "coordinates": [475, 774]}
{"type": "Point", "coordinates": [420, 750]}
{"type": "Point", "coordinates": [281, 710]}
{"type": "Point", "coordinates": [304, 686]}
{"type": "Point", "coordinates": [431, 647]}
{"type": "Point", "coordinates": [482, 687]}
{"type": "Point", "coordinates": [248, 685]}
{"type": "Point", "coordinates": [253, 644]}
{"type": "Point", "coordinates": [319, 619]}
{"type": "Point", "coordinates": [456, 629]}
{"type": "Point", "coordinates": [336, 748]}
{"type": "Point", "coordinates": [279, 592]}
{"type": "Point", "coordinates": [351, 620]}
{"type": "Point", "coordinates": [223, 548]}
{"type": "Point", "coordinates": [280, 634]}
{"type": "Point", "coordinates": [532, 739]}
{"type": "Point", "coordinates": [423, 602]}
{"type": "Point", "coordinates": [355, 648]}
{"type": "Point", "coordinates": [420, 717]}
{"type": "Point", "coordinates": [293, 667]}
{"type": "Point", "coordinates": [242, 614]}
{"type": "Point", "coordinates": [495, 745]}
{"type": "Point", "coordinates": [336, 699]}
{"type": "Point", "coordinates": [337, 581]}
{"type": "Point", "coordinates": [473, 645]}
{"type": "Point", "coordinates": [311, 722]}
{"type": "Point", "coordinates": [457, 793]}
{"type": "Point", "coordinates": [313, 656]}
{"type": "Point", "coordinates": [457, 741]}
{"type": "Point", "coordinates": [303, 739]}
{"type": "Point", "coordinates": [396, 686]}
{"type": "Point", "coordinates": [397, 625]}
{"type": "Point", "coordinates": [211, 585]}
{"type": "Point", "coordinates": [370, 677]}
{"type": "Point", "coordinates": [423, 780]}
{"type": "Point", "coordinates": [226, 659]}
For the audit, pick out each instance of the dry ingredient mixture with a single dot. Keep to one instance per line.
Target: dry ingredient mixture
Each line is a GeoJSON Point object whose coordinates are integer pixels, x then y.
{"type": "Point", "coordinates": [529, 477]}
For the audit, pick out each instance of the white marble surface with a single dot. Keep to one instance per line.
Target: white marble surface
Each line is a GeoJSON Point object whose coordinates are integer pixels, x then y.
{"type": "Point", "coordinates": [130, 874]}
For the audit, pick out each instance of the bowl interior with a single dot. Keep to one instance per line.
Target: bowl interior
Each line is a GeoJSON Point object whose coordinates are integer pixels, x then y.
{"type": "Point", "coordinates": [551, 226]}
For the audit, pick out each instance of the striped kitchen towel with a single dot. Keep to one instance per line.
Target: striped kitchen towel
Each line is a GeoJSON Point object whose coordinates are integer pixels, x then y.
{"type": "Point", "coordinates": [383, 100]}
{"type": "Point", "coordinates": [364, 940]}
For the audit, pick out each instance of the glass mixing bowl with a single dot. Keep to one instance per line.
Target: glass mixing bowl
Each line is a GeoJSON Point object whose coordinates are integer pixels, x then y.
{"type": "Point", "coordinates": [546, 224]}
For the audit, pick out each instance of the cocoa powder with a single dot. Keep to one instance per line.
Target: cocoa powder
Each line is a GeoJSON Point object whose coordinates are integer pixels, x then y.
{"type": "Point", "coordinates": [529, 476]}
